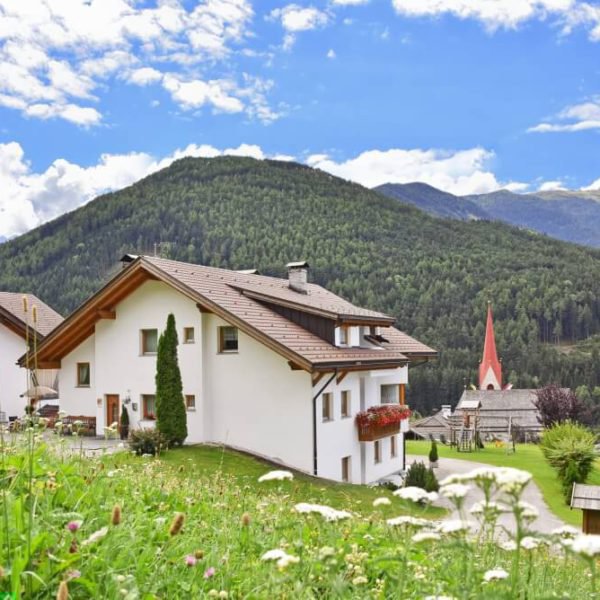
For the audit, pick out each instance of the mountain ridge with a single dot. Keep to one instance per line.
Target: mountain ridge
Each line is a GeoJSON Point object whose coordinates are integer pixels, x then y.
{"type": "Point", "coordinates": [567, 215]}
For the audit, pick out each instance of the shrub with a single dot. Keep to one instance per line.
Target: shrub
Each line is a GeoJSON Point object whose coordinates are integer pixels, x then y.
{"type": "Point", "coordinates": [557, 405]}
{"type": "Point", "coordinates": [569, 448]}
{"type": "Point", "coordinates": [431, 482]}
{"type": "Point", "coordinates": [416, 475]}
{"type": "Point", "coordinates": [147, 441]}
{"type": "Point", "coordinates": [124, 423]}
{"type": "Point", "coordinates": [433, 453]}
{"type": "Point", "coordinates": [171, 418]}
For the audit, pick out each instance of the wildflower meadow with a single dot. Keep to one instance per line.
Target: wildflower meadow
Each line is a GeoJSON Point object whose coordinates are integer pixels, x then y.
{"type": "Point", "coordinates": [208, 523]}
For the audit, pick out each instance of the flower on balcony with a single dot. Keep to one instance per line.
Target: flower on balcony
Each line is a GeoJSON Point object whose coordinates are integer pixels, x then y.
{"type": "Point", "coordinates": [385, 414]}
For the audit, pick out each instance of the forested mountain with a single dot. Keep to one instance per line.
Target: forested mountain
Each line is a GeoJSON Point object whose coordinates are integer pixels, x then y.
{"type": "Point", "coordinates": [433, 201]}
{"type": "Point", "coordinates": [434, 275]}
{"type": "Point", "coordinates": [573, 216]}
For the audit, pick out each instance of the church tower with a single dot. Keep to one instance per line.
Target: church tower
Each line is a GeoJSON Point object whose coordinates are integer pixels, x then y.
{"type": "Point", "coordinates": [490, 369]}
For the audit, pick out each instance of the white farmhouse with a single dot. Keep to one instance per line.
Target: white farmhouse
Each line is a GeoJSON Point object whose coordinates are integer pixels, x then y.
{"type": "Point", "coordinates": [16, 326]}
{"type": "Point", "coordinates": [276, 367]}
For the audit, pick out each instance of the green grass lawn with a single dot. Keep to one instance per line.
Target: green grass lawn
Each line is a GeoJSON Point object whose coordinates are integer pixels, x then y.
{"type": "Point", "coordinates": [247, 469]}
{"type": "Point", "coordinates": [528, 457]}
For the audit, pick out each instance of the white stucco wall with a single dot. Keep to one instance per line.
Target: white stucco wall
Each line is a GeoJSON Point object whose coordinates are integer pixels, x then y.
{"type": "Point", "coordinates": [339, 437]}
{"type": "Point", "coordinates": [13, 380]}
{"type": "Point", "coordinates": [255, 402]}
{"type": "Point", "coordinates": [78, 401]}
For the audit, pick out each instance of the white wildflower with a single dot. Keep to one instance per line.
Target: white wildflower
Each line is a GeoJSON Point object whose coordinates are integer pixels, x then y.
{"type": "Point", "coordinates": [360, 580]}
{"type": "Point", "coordinates": [530, 543]}
{"type": "Point", "coordinates": [565, 531]}
{"type": "Point", "coordinates": [452, 526]}
{"type": "Point", "coordinates": [328, 513]}
{"type": "Point", "coordinates": [439, 598]}
{"type": "Point", "coordinates": [287, 560]}
{"type": "Point", "coordinates": [381, 501]}
{"type": "Point", "coordinates": [406, 520]}
{"type": "Point", "coordinates": [508, 545]}
{"type": "Point", "coordinates": [527, 511]}
{"type": "Point", "coordinates": [273, 554]}
{"type": "Point", "coordinates": [426, 536]}
{"type": "Point", "coordinates": [491, 507]}
{"type": "Point", "coordinates": [512, 480]}
{"type": "Point", "coordinates": [326, 552]}
{"type": "Point", "coordinates": [416, 494]}
{"type": "Point", "coordinates": [276, 476]}
{"type": "Point", "coordinates": [586, 545]}
{"type": "Point", "coordinates": [97, 535]}
{"type": "Point", "coordinates": [455, 491]}
{"type": "Point", "coordinates": [494, 575]}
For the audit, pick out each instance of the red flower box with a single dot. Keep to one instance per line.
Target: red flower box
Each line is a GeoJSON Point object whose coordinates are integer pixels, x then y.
{"type": "Point", "coordinates": [380, 421]}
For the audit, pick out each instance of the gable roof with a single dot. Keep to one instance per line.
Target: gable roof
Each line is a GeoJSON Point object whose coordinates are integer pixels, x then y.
{"type": "Point", "coordinates": [13, 315]}
{"type": "Point", "coordinates": [585, 496]}
{"type": "Point", "coordinates": [224, 293]}
{"type": "Point", "coordinates": [496, 406]}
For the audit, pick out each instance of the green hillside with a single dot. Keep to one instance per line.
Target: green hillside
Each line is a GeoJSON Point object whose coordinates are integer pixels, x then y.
{"type": "Point", "coordinates": [434, 275]}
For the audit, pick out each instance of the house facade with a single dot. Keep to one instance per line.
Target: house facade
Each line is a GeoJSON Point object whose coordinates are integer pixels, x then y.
{"type": "Point", "coordinates": [17, 325]}
{"type": "Point", "coordinates": [275, 367]}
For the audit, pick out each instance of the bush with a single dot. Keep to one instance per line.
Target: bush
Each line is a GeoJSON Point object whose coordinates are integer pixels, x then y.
{"type": "Point", "coordinates": [418, 475]}
{"type": "Point", "coordinates": [433, 453]}
{"type": "Point", "coordinates": [147, 441]}
{"type": "Point", "coordinates": [431, 482]}
{"type": "Point", "coordinates": [569, 448]}
{"type": "Point", "coordinates": [124, 423]}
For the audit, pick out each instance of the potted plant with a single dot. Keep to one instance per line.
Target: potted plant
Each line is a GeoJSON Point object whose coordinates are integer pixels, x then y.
{"type": "Point", "coordinates": [433, 455]}
{"type": "Point", "coordinates": [124, 423]}
{"type": "Point", "coordinates": [380, 421]}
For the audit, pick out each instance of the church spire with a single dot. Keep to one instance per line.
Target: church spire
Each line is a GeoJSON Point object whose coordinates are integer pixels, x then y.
{"type": "Point", "coordinates": [490, 369]}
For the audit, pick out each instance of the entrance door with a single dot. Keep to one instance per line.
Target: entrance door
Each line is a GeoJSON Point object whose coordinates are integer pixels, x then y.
{"type": "Point", "coordinates": [112, 409]}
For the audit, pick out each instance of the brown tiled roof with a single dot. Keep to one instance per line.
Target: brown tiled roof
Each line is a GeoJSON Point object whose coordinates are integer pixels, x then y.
{"type": "Point", "coordinates": [12, 306]}
{"type": "Point", "coordinates": [226, 289]}
{"type": "Point", "coordinates": [225, 293]}
{"type": "Point", "coordinates": [317, 298]}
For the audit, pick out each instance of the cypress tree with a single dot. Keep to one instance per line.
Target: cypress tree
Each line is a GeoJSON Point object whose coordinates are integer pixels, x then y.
{"type": "Point", "coordinates": [171, 418]}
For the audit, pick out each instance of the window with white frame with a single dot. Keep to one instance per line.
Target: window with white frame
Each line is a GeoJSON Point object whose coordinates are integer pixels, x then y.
{"type": "Point", "coordinates": [344, 335]}
{"type": "Point", "coordinates": [346, 470]}
{"type": "Point", "coordinates": [149, 406]}
{"type": "Point", "coordinates": [389, 394]}
{"type": "Point", "coordinates": [377, 451]}
{"type": "Point", "coordinates": [346, 405]}
{"type": "Point", "coordinates": [190, 402]}
{"type": "Point", "coordinates": [189, 335]}
{"type": "Point", "coordinates": [327, 408]}
{"type": "Point", "coordinates": [228, 340]}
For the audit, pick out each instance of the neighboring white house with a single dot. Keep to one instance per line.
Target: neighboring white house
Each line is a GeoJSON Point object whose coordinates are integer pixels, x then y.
{"type": "Point", "coordinates": [16, 326]}
{"type": "Point", "coordinates": [275, 367]}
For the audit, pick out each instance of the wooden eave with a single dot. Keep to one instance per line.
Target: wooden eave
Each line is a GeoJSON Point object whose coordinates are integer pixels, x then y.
{"type": "Point", "coordinates": [359, 365]}
{"type": "Point", "coordinates": [338, 318]}
{"type": "Point", "coordinates": [16, 325]}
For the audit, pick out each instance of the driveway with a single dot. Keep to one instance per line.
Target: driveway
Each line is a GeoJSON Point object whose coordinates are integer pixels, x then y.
{"type": "Point", "coordinates": [546, 521]}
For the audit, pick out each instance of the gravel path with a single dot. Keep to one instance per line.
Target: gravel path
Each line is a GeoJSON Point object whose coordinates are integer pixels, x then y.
{"type": "Point", "coordinates": [545, 523]}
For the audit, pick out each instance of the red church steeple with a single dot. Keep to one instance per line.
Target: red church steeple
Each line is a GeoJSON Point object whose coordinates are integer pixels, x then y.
{"type": "Point", "coordinates": [490, 369]}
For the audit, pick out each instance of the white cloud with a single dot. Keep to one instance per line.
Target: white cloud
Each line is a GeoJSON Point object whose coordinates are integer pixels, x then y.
{"type": "Point", "coordinates": [295, 18]}
{"type": "Point", "coordinates": [331, 53]}
{"type": "Point", "coordinates": [509, 14]}
{"type": "Point", "coordinates": [578, 117]}
{"type": "Point", "coordinates": [350, 2]}
{"type": "Point", "coordinates": [54, 55]}
{"type": "Point", "coordinates": [460, 172]}
{"type": "Point", "coordinates": [548, 186]}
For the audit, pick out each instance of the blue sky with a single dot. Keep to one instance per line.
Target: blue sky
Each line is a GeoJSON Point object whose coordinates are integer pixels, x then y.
{"type": "Point", "coordinates": [467, 95]}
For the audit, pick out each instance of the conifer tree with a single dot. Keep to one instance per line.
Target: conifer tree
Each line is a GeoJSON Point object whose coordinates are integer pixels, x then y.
{"type": "Point", "coordinates": [171, 418]}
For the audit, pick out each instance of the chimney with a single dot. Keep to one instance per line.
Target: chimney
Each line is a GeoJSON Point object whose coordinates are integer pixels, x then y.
{"type": "Point", "coordinates": [249, 272]}
{"type": "Point", "coordinates": [298, 276]}
{"type": "Point", "coordinates": [446, 410]}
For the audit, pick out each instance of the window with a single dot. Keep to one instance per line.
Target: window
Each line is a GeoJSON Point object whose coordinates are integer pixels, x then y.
{"type": "Point", "coordinates": [149, 406]}
{"type": "Point", "coordinates": [228, 339]}
{"type": "Point", "coordinates": [393, 447]}
{"type": "Point", "coordinates": [377, 451]}
{"type": "Point", "coordinates": [190, 402]}
{"type": "Point", "coordinates": [389, 394]}
{"type": "Point", "coordinates": [327, 400]}
{"type": "Point", "coordinates": [344, 335]}
{"type": "Point", "coordinates": [346, 408]}
{"type": "Point", "coordinates": [346, 471]}
{"type": "Point", "coordinates": [149, 341]}
{"type": "Point", "coordinates": [189, 335]}
{"type": "Point", "coordinates": [83, 374]}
